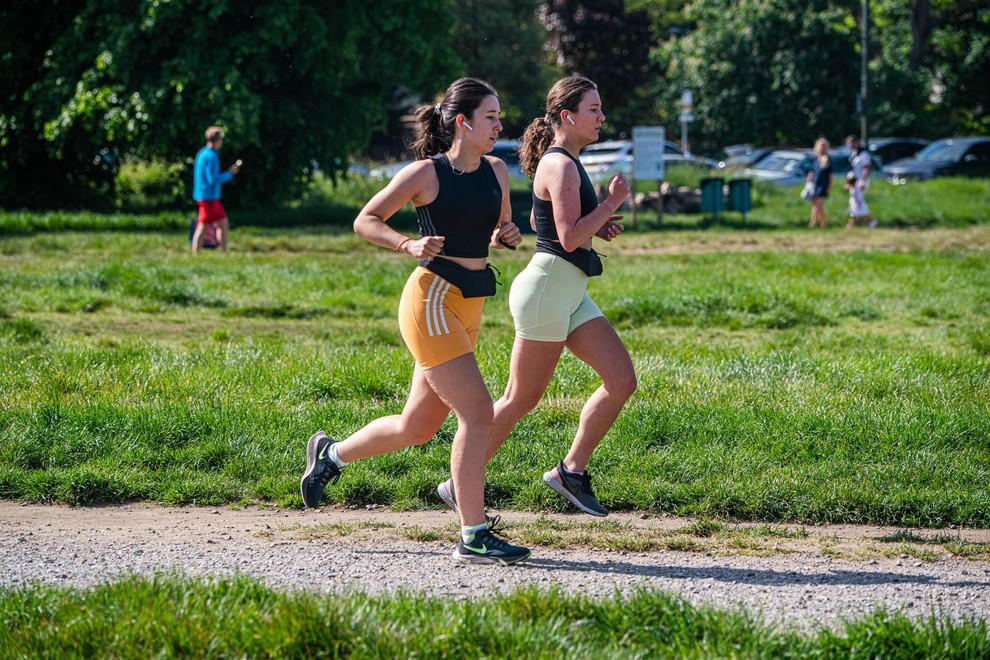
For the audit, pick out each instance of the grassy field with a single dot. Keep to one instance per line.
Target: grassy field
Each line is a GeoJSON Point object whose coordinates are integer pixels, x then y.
{"type": "Point", "coordinates": [170, 617]}
{"type": "Point", "coordinates": [784, 375]}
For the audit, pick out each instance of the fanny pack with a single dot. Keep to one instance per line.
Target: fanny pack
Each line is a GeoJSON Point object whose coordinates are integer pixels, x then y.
{"type": "Point", "coordinates": [589, 261]}
{"type": "Point", "coordinates": [472, 283]}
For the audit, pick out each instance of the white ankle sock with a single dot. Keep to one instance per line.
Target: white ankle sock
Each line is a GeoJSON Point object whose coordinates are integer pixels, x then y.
{"type": "Point", "coordinates": [335, 457]}
{"type": "Point", "coordinates": [566, 471]}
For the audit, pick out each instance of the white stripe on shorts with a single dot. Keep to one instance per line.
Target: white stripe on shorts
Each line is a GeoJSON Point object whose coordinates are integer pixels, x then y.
{"type": "Point", "coordinates": [435, 316]}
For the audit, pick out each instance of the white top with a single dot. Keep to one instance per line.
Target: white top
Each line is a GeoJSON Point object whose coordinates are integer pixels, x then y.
{"type": "Point", "coordinates": [859, 163]}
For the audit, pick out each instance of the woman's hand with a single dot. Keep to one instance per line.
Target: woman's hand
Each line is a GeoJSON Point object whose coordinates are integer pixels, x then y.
{"type": "Point", "coordinates": [610, 229]}
{"type": "Point", "coordinates": [506, 235]}
{"type": "Point", "coordinates": [425, 248]}
{"type": "Point", "coordinates": [618, 190]}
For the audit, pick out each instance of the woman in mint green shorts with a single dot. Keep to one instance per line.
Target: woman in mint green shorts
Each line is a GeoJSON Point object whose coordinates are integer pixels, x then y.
{"type": "Point", "coordinates": [549, 301]}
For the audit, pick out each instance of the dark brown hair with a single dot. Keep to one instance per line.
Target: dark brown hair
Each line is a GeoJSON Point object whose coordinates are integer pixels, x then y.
{"type": "Point", "coordinates": [435, 123]}
{"type": "Point", "coordinates": [566, 94]}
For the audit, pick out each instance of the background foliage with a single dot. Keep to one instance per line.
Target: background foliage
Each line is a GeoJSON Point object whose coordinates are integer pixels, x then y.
{"type": "Point", "coordinates": [292, 81]}
{"type": "Point", "coordinates": [302, 85]}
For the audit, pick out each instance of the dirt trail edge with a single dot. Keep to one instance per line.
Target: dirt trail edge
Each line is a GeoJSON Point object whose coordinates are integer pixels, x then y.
{"type": "Point", "coordinates": [802, 585]}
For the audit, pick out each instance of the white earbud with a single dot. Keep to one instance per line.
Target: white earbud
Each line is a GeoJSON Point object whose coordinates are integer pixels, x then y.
{"type": "Point", "coordinates": [568, 118]}
{"type": "Point", "coordinates": [467, 126]}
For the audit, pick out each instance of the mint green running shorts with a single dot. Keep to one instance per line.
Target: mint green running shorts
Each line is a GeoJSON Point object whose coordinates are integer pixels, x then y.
{"type": "Point", "coordinates": [549, 299]}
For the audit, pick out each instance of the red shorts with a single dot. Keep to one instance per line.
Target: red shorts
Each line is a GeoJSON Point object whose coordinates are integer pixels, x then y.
{"type": "Point", "coordinates": [210, 210]}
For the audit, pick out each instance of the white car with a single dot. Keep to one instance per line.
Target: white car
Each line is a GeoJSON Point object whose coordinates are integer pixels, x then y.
{"type": "Point", "coordinates": [790, 167]}
{"type": "Point", "coordinates": [388, 171]}
{"type": "Point", "coordinates": [603, 159]}
{"type": "Point", "coordinates": [785, 167]}
{"type": "Point", "coordinates": [507, 150]}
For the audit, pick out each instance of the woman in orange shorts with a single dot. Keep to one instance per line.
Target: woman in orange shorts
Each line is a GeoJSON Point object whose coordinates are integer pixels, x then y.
{"type": "Point", "coordinates": [461, 197]}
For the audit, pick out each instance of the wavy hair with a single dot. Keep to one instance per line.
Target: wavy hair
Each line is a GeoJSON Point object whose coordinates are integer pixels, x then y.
{"type": "Point", "coordinates": [823, 159]}
{"type": "Point", "coordinates": [566, 94]}
{"type": "Point", "coordinates": [435, 123]}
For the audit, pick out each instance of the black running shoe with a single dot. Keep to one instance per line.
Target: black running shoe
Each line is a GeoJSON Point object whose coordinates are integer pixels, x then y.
{"type": "Point", "coordinates": [320, 470]}
{"type": "Point", "coordinates": [576, 489]}
{"type": "Point", "coordinates": [446, 493]}
{"type": "Point", "coordinates": [486, 548]}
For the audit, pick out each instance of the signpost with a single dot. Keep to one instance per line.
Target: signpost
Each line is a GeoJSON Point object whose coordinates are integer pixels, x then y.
{"type": "Point", "coordinates": [649, 144]}
{"type": "Point", "coordinates": [687, 116]}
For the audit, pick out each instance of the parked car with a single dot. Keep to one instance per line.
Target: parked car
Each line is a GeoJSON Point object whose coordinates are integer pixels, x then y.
{"type": "Point", "coordinates": [507, 150]}
{"type": "Point", "coordinates": [744, 155]}
{"type": "Point", "coordinates": [388, 170]}
{"type": "Point", "coordinates": [784, 166]}
{"type": "Point", "coordinates": [790, 167]}
{"type": "Point", "coordinates": [603, 159]}
{"type": "Point", "coordinates": [957, 156]}
{"type": "Point", "coordinates": [889, 149]}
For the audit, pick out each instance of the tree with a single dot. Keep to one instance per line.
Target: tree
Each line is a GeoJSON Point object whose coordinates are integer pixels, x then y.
{"type": "Point", "coordinates": [600, 40]}
{"type": "Point", "coordinates": [767, 71]}
{"type": "Point", "coordinates": [503, 43]}
{"type": "Point", "coordinates": [292, 82]}
{"type": "Point", "coordinates": [932, 73]}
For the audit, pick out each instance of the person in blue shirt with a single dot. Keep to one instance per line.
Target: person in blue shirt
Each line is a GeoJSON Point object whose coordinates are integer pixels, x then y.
{"type": "Point", "coordinates": [207, 179]}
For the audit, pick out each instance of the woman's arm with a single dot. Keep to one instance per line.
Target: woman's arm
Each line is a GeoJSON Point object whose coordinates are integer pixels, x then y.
{"type": "Point", "coordinates": [416, 183]}
{"type": "Point", "coordinates": [563, 184]}
{"type": "Point", "coordinates": [506, 234]}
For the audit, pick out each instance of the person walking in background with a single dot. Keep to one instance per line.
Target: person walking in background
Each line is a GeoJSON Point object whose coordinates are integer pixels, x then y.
{"type": "Point", "coordinates": [857, 184]}
{"type": "Point", "coordinates": [820, 177]}
{"type": "Point", "coordinates": [461, 198]}
{"type": "Point", "coordinates": [548, 299]}
{"type": "Point", "coordinates": [207, 180]}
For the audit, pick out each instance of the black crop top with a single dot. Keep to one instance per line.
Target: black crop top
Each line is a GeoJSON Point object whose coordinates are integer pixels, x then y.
{"type": "Point", "coordinates": [547, 239]}
{"type": "Point", "coordinates": [466, 211]}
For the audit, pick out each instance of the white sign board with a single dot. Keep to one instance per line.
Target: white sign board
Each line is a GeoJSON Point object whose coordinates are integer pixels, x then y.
{"type": "Point", "coordinates": [649, 143]}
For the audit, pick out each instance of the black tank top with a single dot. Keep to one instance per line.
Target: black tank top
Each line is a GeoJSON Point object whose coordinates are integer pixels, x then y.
{"type": "Point", "coordinates": [547, 239]}
{"type": "Point", "coordinates": [466, 210]}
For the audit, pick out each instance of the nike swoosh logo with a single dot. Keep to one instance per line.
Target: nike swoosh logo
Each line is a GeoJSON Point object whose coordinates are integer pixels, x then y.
{"type": "Point", "coordinates": [480, 551]}
{"type": "Point", "coordinates": [323, 453]}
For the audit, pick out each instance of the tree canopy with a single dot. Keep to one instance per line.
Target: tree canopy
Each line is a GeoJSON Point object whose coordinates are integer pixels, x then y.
{"type": "Point", "coordinates": [293, 82]}
{"type": "Point", "coordinates": [298, 84]}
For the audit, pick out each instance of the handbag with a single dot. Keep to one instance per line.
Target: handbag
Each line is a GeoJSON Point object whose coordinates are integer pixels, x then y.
{"type": "Point", "coordinates": [808, 192]}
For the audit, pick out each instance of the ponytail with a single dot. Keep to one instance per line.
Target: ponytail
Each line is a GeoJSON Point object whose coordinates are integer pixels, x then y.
{"type": "Point", "coordinates": [435, 123]}
{"type": "Point", "coordinates": [432, 137]}
{"type": "Point", "coordinates": [535, 141]}
{"type": "Point", "coordinates": [566, 94]}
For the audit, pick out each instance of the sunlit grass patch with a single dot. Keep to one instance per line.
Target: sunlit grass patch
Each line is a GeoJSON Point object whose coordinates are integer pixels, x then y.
{"type": "Point", "coordinates": [242, 617]}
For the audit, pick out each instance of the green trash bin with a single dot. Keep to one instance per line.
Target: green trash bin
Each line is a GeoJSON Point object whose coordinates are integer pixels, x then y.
{"type": "Point", "coordinates": [712, 199]}
{"type": "Point", "coordinates": [741, 196]}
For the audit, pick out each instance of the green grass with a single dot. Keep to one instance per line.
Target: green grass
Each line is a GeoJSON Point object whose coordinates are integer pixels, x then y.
{"type": "Point", "coordinates": [784, 376]}
{"type": "Point", "coordinates": [169, 617]}
{"type": "Point", "coordinates": [946, 202]}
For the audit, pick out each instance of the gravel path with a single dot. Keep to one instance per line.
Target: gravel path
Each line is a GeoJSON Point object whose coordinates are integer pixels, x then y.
{"type": "Point", "coordinates": [84, 546]}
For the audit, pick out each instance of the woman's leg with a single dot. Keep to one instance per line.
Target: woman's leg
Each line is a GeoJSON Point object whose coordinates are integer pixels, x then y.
{"type": "Point", "coordinates": [419, 421]}
{"type": "Point", "coordinates": [530, 369]}
{"type": "Point", "coordinates": [459, 384]}
{"type": "Point", "coordinates": [597, 344]}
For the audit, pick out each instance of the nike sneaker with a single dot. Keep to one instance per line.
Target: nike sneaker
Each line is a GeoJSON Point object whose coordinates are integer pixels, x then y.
{"type": "Point", "coordinates": [576, 489]}
{"type": "Point", "coordinates": [486, 548]}
{"type": "Point", "coordinates": [320, 470]}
